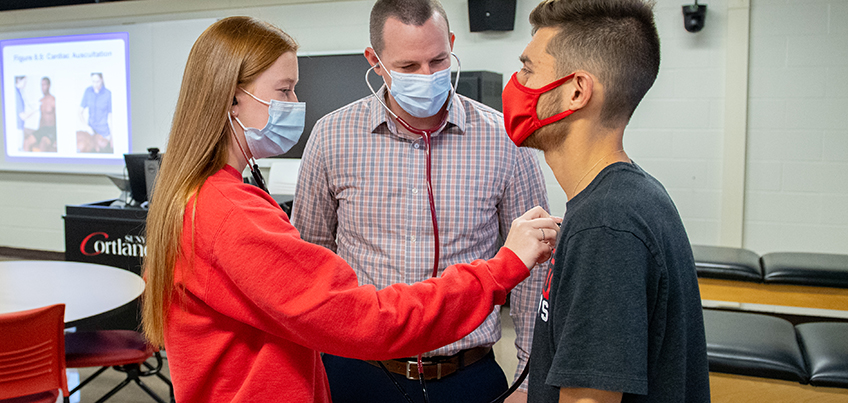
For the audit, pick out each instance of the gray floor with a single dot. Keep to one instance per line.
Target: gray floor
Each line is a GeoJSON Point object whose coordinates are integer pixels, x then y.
{"type": "Point", "coordinates": [131, 393]}
{"type": "Point", "coordinates": [101, 385]}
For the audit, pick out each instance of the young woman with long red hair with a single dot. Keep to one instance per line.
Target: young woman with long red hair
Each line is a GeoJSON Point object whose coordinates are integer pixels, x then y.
{"type": "Point", "coordinates": [240, 302]}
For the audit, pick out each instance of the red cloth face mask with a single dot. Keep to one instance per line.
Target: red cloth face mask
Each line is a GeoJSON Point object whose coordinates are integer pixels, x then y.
{"type": "Point", "coordinates": [519, 106]}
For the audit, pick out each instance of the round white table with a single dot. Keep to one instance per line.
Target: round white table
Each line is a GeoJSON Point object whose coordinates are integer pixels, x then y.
{"type": "Point", "coordinates": [88, 290]}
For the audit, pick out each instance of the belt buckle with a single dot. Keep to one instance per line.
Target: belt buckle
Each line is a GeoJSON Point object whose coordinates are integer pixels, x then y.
{"type": "Point", "coordinates": [409, 365]}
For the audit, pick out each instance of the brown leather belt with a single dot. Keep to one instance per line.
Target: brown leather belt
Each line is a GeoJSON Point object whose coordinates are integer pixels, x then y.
{"type": "Point", "coordinates": [434, 367]}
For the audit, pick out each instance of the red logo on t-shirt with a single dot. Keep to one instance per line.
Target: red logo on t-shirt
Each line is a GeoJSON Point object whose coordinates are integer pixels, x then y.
{"type": "Point", "coordinates": [546, 291]}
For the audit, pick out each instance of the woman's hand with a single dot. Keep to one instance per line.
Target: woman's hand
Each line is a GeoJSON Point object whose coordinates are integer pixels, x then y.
{"type": "Point", "coordinates": [532, 236]}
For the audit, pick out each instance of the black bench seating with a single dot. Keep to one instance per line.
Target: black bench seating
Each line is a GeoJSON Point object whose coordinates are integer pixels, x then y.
{"type": "Point", "coordinates": [816, 269]}
{"type": "Point", "coordinates": [826, 347]}
{"type": "Point", "coordinates": [727, 263]}
{"type": "Point", "coordinates": [753, 344]}
{"type": "Point", "coordinates": [760, 358]}
{"type": "Point", "coordinates": [806, 280]}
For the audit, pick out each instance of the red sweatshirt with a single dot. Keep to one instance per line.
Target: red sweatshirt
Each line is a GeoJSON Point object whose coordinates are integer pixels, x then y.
{"type": "Point", "coordinates": [259, 303]}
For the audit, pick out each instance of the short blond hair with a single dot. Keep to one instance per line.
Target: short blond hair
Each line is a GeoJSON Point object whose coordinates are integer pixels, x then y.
{"type": "Point", "coordinates": [409, 12]}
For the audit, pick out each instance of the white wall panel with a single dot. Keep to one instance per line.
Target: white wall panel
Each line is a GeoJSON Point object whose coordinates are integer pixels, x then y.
{"type": "Point", "coordinates": [796, 174]}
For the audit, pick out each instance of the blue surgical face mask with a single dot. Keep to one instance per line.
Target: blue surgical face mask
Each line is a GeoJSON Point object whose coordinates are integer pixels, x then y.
{"type": "Point", "coordinates": [421, 95]}
{"type": "Point", "coordinates": [281, 133]}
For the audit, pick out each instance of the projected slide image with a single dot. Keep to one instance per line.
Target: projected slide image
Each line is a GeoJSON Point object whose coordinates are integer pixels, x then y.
{"type": "Point", "coordinates": [41, 137]}
{"type": "Point", "coordinates": [66, 98]}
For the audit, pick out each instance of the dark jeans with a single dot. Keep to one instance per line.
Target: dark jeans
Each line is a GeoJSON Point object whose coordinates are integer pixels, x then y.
{"type": "Point", "coordinates": [355, 381]}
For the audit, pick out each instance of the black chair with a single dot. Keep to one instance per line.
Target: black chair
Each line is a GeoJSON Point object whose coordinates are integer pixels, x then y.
{"type": "Point", "coordinates": [124, 350]}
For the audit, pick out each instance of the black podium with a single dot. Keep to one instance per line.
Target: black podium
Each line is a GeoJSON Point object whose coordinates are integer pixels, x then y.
{"type": "Point", "coordinates": [112, 236]}
{"type": "Point", "coordinates": [115, 236]}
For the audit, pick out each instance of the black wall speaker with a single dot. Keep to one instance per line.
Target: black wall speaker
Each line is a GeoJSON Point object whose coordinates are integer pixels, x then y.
{"type": "Point", "coordinates": [491, 15]}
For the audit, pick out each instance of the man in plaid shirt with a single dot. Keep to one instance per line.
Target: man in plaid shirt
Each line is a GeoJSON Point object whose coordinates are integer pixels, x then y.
{"type": "Point", "coordinates": [363, 193]}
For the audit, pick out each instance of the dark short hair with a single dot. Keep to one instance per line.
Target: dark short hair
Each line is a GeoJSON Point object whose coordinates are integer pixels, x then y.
{"type": "Point", "coordinates": [409, 12]}
{"type": "Point", "coordinates": [45, 78]}
{"type": "Point", "coordinates": [616, 40]}
{"type": "Point", "coordinates": [19, 78]}
{"type": "Point", "coordinates": [98, 75]}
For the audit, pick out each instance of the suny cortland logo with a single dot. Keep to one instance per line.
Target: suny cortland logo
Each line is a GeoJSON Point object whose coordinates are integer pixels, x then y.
{"type": "Point", "coordinates": [98, 243]}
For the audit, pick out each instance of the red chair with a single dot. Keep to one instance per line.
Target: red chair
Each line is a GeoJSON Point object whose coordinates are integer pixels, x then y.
{"type": "Point", "coordinates": [124, 350]}
{"type": "Point", "coordinates": [32, 359]}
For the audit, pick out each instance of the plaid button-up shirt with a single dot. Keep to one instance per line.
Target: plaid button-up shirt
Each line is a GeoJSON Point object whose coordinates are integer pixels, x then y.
{"type": "Point", "coordinates": [362, 192]}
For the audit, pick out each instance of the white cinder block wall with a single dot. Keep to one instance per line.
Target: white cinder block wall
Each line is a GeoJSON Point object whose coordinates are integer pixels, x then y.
{"type": "Point", "coordinates": [676, 132]}
{"type": "Point", "coordinates": [796, 183]}
{"type": "Point", "coordinates": [797, 179]}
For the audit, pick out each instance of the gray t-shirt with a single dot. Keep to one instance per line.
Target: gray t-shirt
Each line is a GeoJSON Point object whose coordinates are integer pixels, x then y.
{"type": "Point", "coordinates": [621, 308]}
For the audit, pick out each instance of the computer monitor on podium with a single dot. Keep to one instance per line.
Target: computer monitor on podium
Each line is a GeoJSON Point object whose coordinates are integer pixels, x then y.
{"type": "Point", "coordinates": [141, 171]}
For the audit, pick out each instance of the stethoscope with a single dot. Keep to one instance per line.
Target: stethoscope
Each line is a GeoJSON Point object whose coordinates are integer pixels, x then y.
{"type": "Point", "coordinates": [426, 135]}
{"type": "Point", "coordinates": [254, 167]}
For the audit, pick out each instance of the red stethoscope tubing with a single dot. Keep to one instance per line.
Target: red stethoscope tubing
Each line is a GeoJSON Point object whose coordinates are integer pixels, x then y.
{"type": "Point", "coordinates": [432, 207]}
{"type": "Point", "coordinates": [425, 135]}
